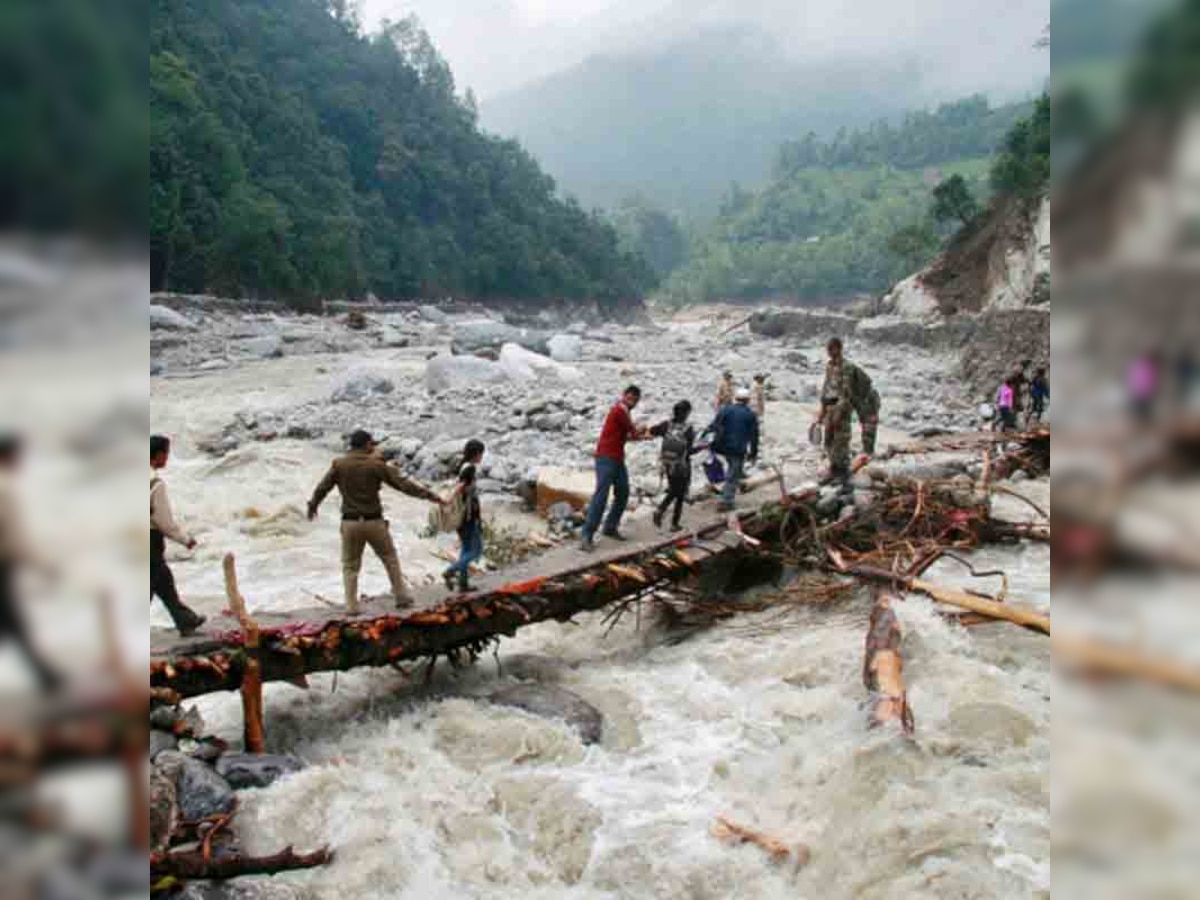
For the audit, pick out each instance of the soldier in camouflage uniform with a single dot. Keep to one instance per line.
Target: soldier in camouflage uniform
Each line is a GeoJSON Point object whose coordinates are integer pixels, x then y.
{"type": "Point", "coordinates": [847, 389]}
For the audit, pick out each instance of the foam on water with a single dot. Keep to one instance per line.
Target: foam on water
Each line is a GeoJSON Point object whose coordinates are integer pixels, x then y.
{"type": "Point", "coordinates": [436, 793]}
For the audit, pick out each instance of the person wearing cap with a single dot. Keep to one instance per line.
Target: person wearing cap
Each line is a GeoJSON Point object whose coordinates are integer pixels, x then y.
{"type": "Point", "coordinates": [725, 391]}
{"type": "Point", "coordinates": [847, 390]}
{"type": "Point", "coordinates": [737, 434]}
{"type": "Point", "coordinates": [163, 527]}
{"type": "Point", "coordinates": [359, 476]}
{"type": "Point", "coordinates": [17, 553]}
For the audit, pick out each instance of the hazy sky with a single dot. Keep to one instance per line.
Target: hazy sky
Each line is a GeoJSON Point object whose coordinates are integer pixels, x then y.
{"type": "Point", "coordinates": [965, 45]}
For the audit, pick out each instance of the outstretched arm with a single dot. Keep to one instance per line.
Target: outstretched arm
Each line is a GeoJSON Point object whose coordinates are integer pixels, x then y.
{"type": "Point", "coordinates": [405, 485]}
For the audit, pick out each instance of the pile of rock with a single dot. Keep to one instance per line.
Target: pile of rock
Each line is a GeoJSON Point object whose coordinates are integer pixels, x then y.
{"type": "Point", "coordinates": [195, 778]}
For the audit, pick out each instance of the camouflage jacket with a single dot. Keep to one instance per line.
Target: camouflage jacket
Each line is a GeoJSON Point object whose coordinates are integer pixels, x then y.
{"type": "Point", "coordinates": [846, 388]}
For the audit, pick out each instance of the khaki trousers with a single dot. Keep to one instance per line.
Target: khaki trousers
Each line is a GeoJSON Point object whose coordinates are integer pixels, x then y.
{"type": "Point", "coordinates": [355, 537]}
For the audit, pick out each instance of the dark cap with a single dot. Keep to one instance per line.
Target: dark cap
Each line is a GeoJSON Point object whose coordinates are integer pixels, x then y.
{"type": "Point", "coordinates": [361, 440]}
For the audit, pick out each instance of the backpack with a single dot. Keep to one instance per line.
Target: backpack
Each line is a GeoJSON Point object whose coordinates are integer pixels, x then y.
{"type": "Point", "coordinates": [448, 518]}
{"type": "Point", "coordinates": [714, 469]}
{"type": "Point", "coordinates": [674, 453]}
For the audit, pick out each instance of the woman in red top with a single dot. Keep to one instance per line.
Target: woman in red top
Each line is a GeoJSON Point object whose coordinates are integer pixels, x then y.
{"type": "Point", "coordinates": [611, 472]}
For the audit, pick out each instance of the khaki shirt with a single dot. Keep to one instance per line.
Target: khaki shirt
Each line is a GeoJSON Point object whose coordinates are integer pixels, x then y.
{"type": "Point", "coordinates": [161, 517]}
{"type": "Point", "coordinates": [359, 476]}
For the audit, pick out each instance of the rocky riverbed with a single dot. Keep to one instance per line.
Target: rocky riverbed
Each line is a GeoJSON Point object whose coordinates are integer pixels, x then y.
{"type": "Point", "coordinates": [452, 790]}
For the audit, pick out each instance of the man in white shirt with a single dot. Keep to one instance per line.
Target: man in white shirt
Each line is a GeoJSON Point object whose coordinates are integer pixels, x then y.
{"type": "Point", "coordinates": [16, 553]}
{"type": "Point", "coordinates": [163, 526]}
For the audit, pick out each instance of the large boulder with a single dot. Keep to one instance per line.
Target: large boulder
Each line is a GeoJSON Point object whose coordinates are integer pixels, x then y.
{"type": "Point", "coordinates": [247, 770]}
{"type": "Point", "coordinates": [167, 319]}
{"type": "Point", "coordinates": [565, 348]}
{"type": "Point", "coordinates": [445, 373]}
{"type": "Point", "coordinates": [433, 314]}
{"type": "Point", "coordinates": [360, 384]}
{"type": "Point", "coordinates": [525, 365]}
{"type": "Point", "coordinates": [801, 324]}
{"type": "Point", "coordinates": [556, 485]}
{"type": "Point", "coordinates": [912, 299]}
{"type": "Point", "coordinates": [471, 337]}
{"type": "Point", "coordinates": [201, 792]}
{"type": "Point", "coordinates": [552, 702]}
{"type": "Point", "coordinates": [268, 346]}
{"type": "Point", "coordinates": [164, 809]}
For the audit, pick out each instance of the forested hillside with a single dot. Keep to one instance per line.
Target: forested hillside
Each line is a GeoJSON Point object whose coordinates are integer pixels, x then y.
{"type": "Point", "coordinates": [294, 156]}
{"type": "Point", "coordinates": [852, 214]}
{"type": "Point", "coordinates": [677, 124]}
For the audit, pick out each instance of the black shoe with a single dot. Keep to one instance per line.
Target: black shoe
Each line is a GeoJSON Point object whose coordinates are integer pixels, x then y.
{"type": "Point", "coordinates": [658, 518]}
{"type": "Point", "coordinates": [192, 627]}
{"type": "Point", "coordinates": [615, 536]}
{"type": "Point", "coordinates": [464, 585]}
{"type": "Point", "coordinates": [675, 526]}
{"type": "Point", "coordinates": [587, 545]}
{"type": "Point", "coordinates": [448, 577]}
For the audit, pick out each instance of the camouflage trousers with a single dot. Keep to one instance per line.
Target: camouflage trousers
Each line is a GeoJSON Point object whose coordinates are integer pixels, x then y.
{"type": "Point", "coordinates": [837, 445]}
{"type": "Point", "coordinates": [868, 417]}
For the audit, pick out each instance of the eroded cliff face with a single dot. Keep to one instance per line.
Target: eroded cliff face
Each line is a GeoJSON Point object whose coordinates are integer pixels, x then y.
{"type": "Point", "coordinates": [1001, 264]}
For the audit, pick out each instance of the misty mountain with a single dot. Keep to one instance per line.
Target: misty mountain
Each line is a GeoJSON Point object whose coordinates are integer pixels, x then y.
{"type": "Point", "coordinates": [679, 123]}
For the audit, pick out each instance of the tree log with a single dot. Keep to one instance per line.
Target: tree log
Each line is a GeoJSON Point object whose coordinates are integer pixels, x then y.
{"type": "Point", "coordinates": [883, 667]}
{"type": "Point", "coordinates": [1021, 615]}
{"type": "Point", "coordinates": [338, 642]}
{"type": "Point", "coordinates": [254, 732]}
{"type": "Point", "coordinates": [192, 865]}
{"type": "Point", "coordinates": [1103, 659]}
{"type": "Point", "coordinates": [725, 830]}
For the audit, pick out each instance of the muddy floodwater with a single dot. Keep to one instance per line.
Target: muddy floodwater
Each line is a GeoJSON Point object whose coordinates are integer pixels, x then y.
{"type": "Point", "coordinates": [433, 792]}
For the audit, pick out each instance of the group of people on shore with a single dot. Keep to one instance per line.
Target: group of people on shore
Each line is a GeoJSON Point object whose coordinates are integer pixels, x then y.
{"type": "Point", "coordinates": [1021, 399]}
{"type": "Point", "coordinates": [734, 435]}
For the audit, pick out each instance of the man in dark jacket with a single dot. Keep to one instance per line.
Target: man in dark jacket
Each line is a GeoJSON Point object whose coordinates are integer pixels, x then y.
{"type": "Point", "coordinates": [737, 440]}
{"type": "Point", "coordinates": [359, 476]}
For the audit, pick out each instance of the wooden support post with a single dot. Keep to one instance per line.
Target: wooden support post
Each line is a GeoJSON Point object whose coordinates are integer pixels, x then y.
{"type": "Point", "coordinates": [134, 761]}
{"type": "Point", "coordinates": [254, 733]}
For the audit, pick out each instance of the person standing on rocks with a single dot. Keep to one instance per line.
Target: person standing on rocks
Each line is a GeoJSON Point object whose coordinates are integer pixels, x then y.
{"type": "Point", "coordinates": [359, 476]}
{"type": "Point", "coordinates": [758, 399]}
{"type": "Point", "coordinates": [470, 530]}
{"type": "Point", "coordinates": [612, 475]}
{"type": "Point", "coordinates": [846, 389]}
{"type": "Point", "coordinates": [1020, 386]}
{"type": "Point", "coordinates": [675, 458]}
{"type": "Point", "coordinates": [16, 553]}
{"type": "Point", "coordinates": [162, 527]}
{"type": "Point", "coordinates": [1039, 393]}
{"type": "Point", "coordinates": [737, 435]}
{"type": "Point", "coordinates": [725, 391]}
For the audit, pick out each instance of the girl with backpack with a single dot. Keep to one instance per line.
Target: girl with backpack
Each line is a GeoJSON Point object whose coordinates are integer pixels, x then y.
{"type": "Point", "coordinates": [464, 503]}
{"type": "Point", "coordinates": [675, 458]}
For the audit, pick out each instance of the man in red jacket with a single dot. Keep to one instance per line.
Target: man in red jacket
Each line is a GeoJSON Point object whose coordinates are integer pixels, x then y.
{"type": "Point", "coordinates": [611, 472]}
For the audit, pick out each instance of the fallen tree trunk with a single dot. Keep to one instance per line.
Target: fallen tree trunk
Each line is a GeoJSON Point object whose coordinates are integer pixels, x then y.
{"type": "Point", "coordinates": [462, 625]}
{"type": "Point", "coordinates": [730, 832]}
{"type": "Point", "coordinates": [1103, 659]}
{"type": "Point", "coordinates": [1024, 616]}
{"type": "Point", "coordinates": [883, 667]}
{"type": "Point", "coordinates": [194, 865]}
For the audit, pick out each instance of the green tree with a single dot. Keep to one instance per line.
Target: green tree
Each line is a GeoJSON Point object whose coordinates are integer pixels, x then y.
{"type": "Point", "coordinates": [953, 200]}
{"type": "Point", "coordinates": [914, 244]}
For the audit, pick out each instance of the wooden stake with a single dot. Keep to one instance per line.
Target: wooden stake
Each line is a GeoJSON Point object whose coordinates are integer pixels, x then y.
{"type": "Point", "coordinates": [254, 734]}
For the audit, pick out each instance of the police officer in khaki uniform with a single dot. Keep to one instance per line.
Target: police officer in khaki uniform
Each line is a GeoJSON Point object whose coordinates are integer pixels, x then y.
{"type": "Point", "coordinates": [359, 476]}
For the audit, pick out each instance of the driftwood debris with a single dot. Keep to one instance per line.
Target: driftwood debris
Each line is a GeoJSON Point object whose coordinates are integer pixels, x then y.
{"type": "Point", "coordinates": [1096, 658]}
{"type": "Point", "coordinates": [725, 830]}
{"type": "Point", "coordinates": [198, 865]}
{"type": "Point", "coordinates": [883, 667]}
